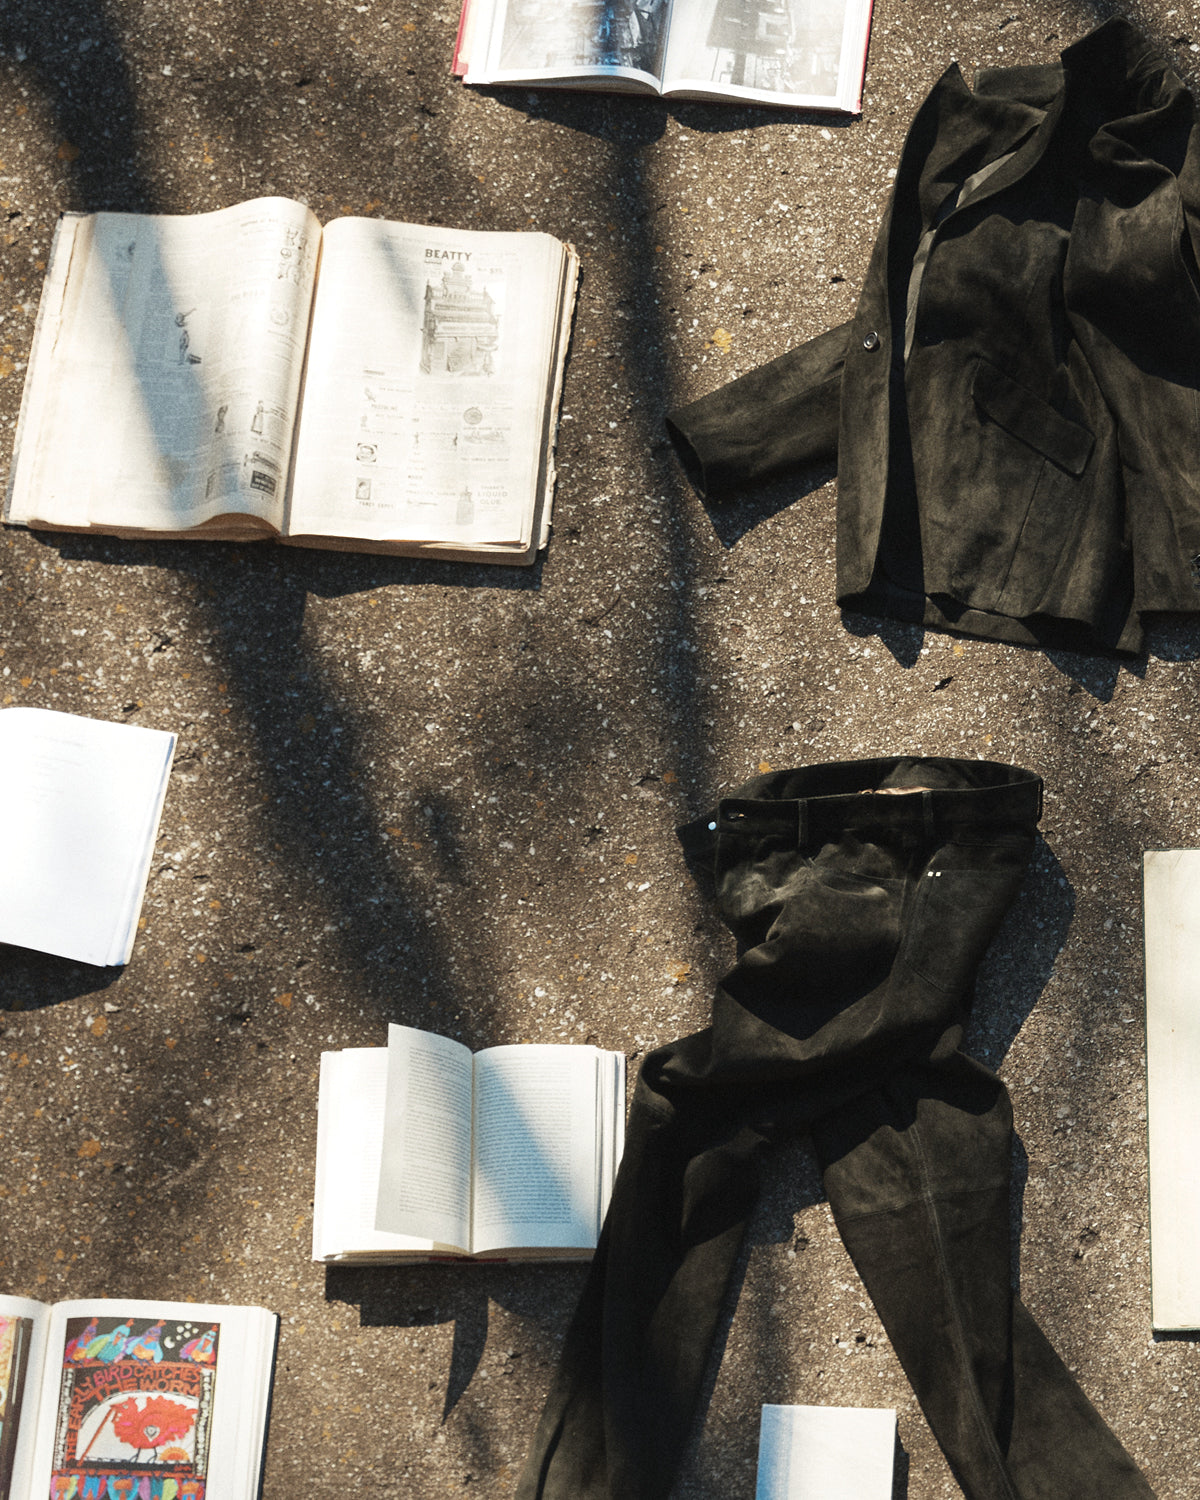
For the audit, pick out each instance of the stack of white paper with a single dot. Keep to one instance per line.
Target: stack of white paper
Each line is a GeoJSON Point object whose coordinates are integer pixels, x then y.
{"type": "Point", "coordinates": [826, 1453]}
{"type": "Point", "coordinates": [1172, 897]}
{"type": "Point", "coordinates": [83, 800]}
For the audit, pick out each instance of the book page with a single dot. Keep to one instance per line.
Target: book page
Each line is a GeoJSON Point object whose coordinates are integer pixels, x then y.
{"type": "Point", "coordinates": [1172, 924]}
{"type": "Point", "coordinates": [83, 799]}
{"type": "Point", "coordinates": [86, 798]}
{"type": "Point", "coordinates": [539, 41]}
{"type": "Point", "coordinates": [826, 1453]}
{"type": "Point", "coordinates": [423, 416]}
{"type": "Point", "coordinates": [612, 1124]}
{"type": "Point", "coordinates": [351, 1103]}
{"type": "Point", "coordinates": [425, 1171]}
{"type": "Point", "coordinates": [162, 391]}
{"type": "Point", "coordinates": [139, 1393]}
{"type": "Point", "coordinates": [24, 1325]}
{"type": "Point", "coordinates": [797, 52]}
{"type": "Point", "coordinates": [537, 1147]}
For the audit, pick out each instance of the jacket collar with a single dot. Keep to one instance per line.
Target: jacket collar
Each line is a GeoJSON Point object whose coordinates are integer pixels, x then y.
{"type": "Point", "coordinates": [1018, 112]}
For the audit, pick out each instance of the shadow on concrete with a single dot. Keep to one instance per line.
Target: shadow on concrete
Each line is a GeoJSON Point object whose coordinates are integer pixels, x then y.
{"type": "Point", "coordinates": [1021, 959]}
{"type": "Point", "coordinates": [255, 604]}
{"type": "Point", "coordinates": [436, 1294]}
{"type": "Point", "coordinates": [31, 980]}
{"type": "Point", "coordinates": [76, 61]}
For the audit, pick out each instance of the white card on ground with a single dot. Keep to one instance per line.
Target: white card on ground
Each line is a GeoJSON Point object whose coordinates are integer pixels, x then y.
{"type": "Point", "coordinates": [1172, 915]}
{"type": "Point", "coordinates": [83, 800]}
{"type": "Point", "coordinates": [826, 1453]}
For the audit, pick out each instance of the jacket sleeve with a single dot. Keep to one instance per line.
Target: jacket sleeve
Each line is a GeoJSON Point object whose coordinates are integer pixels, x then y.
{"type": "Point", "coordinates": [778, 417]}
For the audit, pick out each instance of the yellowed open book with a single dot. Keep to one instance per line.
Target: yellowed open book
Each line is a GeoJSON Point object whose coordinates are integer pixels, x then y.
{"type": "Point", "coordinates": [244, 374]}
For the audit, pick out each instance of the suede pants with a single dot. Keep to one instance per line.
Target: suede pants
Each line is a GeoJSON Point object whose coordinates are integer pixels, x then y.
{"type": "Point", "coordinates": [863, 895]}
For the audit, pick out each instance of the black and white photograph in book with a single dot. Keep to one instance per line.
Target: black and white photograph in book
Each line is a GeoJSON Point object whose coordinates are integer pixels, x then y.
{"type": "Point", "coordinates": [583, 34]}
{"type": "Point", "coordinates": [786, 46]}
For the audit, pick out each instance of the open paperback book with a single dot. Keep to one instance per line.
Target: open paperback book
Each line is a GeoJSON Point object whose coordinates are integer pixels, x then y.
{"type": "Point", "coordinates": [130, 1398]}
{"type": "Point", "coordinates": [80, 822]}
{"type": "Point", "coordinates": [244, 374]}
{"type": "Point", "coordinates": [425, 1151]}
{"type": "Point", "coordinates": [808, 54]}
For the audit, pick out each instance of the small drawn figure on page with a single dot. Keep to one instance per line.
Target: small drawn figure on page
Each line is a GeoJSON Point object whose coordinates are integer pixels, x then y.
{"type": "Point", "coordinates": [187, 355]}
{"type": "Point", "coordinates": [202, 1350]}
{"type": "Point", "coordinates": [295, 257]}
{"type": "Point", "coordinates": [77, 1348]}
{"type": "Point", "coordinates": [109, 1346]}
{"type": "Point", "coordinates": [148, 1346]}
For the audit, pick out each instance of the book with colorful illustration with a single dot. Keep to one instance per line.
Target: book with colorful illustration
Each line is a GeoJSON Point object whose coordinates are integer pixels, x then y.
{"type": "Point", "coordinates": [133, 1400]}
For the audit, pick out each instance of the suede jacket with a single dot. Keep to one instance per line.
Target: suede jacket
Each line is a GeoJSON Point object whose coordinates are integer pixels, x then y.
{"type": "Point", "coordinates": [1015, 407]}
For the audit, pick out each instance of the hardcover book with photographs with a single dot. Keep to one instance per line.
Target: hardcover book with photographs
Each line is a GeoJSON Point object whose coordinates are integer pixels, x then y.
{"type": "Point", "coordinates": [244, 374]}
{"type": "Point", "coordinates": [805, 54]}
{"type": "Point", "coordinates": [131, 1399]}
{"type": "Point", "coordinates": [426, 1152]}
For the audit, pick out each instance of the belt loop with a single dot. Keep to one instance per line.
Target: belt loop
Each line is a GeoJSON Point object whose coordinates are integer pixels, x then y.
{"type": "Point", "coordinates": [801, 822]}
{"type": "Point", "coordinates": [927, 811]}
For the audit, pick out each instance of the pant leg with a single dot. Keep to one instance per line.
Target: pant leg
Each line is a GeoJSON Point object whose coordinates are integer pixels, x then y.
{"type": "Point", "coordinates": [618, 1414]}
{"type": "Point", "coordinates": [816, 941]}
{"type": "Point", "coordinates": [918, 1180]}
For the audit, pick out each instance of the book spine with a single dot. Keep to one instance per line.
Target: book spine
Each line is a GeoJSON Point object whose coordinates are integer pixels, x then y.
{"type": "Point", "coordinates": [49, 317]}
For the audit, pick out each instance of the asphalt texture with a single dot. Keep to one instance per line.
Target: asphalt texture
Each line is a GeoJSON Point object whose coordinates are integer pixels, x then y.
{"type": "Point", "coordinates": [446, 794]}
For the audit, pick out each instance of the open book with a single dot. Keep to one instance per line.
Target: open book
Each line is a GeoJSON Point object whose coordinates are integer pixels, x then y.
{"type": "Point", "coordinates": [808, 54]}
{"type": "Point", "coordinates": [80, 821]}
{"type": "Point", "coordinates": [243, 374]}
{"type": "Point", "coordinates": [425, 1151]}
{"type": "Point", "coordinates": [131, 1398]}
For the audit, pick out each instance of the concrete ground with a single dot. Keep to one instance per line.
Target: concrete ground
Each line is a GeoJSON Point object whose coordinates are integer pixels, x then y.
{"type": "Point", "coordinates": [446, 794]}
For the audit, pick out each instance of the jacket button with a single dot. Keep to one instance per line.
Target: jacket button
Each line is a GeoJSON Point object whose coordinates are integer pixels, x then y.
{"type": "Point", "coordinates": [871, 341]}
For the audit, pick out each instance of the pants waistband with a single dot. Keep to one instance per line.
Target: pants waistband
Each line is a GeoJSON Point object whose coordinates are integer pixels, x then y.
{"type": "Point", "coordinates": [896, 796]}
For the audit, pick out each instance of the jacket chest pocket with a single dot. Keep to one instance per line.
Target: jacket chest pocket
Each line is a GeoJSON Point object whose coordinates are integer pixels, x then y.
{"type": "Point", "coordinates": [1022, 490]}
